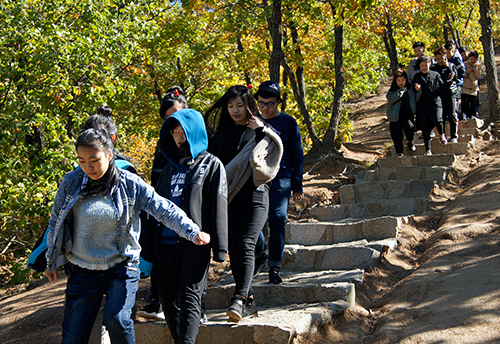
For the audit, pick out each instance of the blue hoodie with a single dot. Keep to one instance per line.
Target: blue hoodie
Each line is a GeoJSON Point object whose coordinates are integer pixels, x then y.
{"type": "Point", "coordinates": [193, 125]}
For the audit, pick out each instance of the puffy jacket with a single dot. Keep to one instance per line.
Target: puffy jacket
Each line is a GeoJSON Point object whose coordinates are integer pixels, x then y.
{"type": "Point", "coordinates": [471, 85]}
{"type": "Point", "coordinates": [394, 105]}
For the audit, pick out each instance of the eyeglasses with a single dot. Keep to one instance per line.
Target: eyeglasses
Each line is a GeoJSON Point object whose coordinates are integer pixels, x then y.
{"type": "Point", "coordinates": [177, 132]}
{"type": "Point", "coordinates": [268, 105]}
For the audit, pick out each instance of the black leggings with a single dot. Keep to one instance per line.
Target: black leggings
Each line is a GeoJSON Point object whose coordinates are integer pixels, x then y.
{"type": "Point", "coordinates": [247, 215]}
{"type": "Point", "coordinates": [450, 115]}
{"type": "Point", "coordinates": [404, 124]}
{"type": "Point", "coordinates": [428, 125]}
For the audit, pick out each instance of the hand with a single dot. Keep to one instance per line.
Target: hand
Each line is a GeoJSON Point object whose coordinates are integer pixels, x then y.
{"type": "Point", "coordinates": [52, 275]}
{"type": "Point", "coordinates": [451, 76]}
{"type": "Point", "coordinates": [417, 87]}
{"type": "Point", "coordinates": [405, 89]}
{"type": "Point", "coordinates": [255, 122]}
{"type": "Point", "coordinates": [297, 196]}
{"type": "Point", "coordinates": [202, 238]}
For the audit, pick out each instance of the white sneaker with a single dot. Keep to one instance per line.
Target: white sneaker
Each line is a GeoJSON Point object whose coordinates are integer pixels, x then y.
{"type": "Point", "coordinates": [428, 153]}
{"type": "Point", "coordinates": [455, 140]}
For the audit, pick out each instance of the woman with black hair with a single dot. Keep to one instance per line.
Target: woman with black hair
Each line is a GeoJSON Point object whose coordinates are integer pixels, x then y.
{"type": "Point", "coordinates": [401, 111]}
{"type": "Point", "coordinates": [240, 138]}
{"type": "Point", "coordinates": [427, 85]}
{"type": "Point", "coordinates": [94, 230]}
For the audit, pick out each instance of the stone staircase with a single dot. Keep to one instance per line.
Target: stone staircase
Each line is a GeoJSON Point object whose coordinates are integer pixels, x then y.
{"type": "Point", "coordinates": [324, 261]}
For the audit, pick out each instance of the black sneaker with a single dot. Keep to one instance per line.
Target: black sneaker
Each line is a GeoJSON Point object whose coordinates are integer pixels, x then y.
{"type": "Point", "coordinates": [250, 307]}
{"type": "Point", "coordinates": [274, 276]}
{"type": "Point", "coordinates": [235, 311]}
{"type": "Point", "coordinates": [152, 311]}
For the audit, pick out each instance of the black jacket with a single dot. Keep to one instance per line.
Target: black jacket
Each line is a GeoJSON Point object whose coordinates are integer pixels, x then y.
{"type": "Point", "coordinates": [203, 199]}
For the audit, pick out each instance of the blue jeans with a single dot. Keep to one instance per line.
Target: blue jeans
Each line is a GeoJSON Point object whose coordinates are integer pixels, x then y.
{"type": "Point", "coordinates": [84, 293]}
{"type": "Point", "coordinates": [279, 198]}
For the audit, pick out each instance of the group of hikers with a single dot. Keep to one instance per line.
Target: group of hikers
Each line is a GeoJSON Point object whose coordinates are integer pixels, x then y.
{"type": "Point", "coordinates": [217, 181]}
{"type": "Point", "coordinates": [432, 92]}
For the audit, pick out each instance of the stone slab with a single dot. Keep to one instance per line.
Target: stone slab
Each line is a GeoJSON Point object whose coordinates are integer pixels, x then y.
{"type": "Point", "coordinates": [437, 174]}
{"type": "Point", "coordinates": [326, 257]}
{"type": "Point", "coordinates": [391, 207]}
{"type": "Point", "coordinates": [328, 233]}
{"type": "Point", "coordinates": [417, 160]}
{"type": "Point", "coordinates": [301, 287]}
{"type": "Point", "coordinates": [384, 190]}
{"type": "Point", "coordinates": [459, 148]}
{"type": "Point", "coordinates": [270, 326]}
{"type": "Point", "coordinates": [385, 245]}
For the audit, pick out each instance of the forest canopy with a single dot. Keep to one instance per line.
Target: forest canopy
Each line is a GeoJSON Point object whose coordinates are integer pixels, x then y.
{"type": "Point", "coordinates": [62, 59]}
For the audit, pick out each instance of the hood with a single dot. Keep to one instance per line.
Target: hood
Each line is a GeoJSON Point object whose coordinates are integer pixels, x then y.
{"type": "Point", "coordinates": [193, 125]}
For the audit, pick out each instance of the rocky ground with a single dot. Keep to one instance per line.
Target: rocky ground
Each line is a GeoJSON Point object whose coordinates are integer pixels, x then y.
{"type": "Point", "coordinates": [441, 286]}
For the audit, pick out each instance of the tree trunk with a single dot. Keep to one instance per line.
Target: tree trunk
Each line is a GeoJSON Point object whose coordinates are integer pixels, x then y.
{"type": "Point", "coordinates": [245, 72]}
{"type": "Point", "coordinates": [276, 29]}
{"type": "Point", "coordinates": [489, 61]}
{"type": "Point", "coordinates": [331, 132]}
{"type": "Point", "coordinates": [390, 45]}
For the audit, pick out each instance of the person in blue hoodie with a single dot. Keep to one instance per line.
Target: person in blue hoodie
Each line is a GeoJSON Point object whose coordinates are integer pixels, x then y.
{"type": "Point", "coordinates": [195, 180]}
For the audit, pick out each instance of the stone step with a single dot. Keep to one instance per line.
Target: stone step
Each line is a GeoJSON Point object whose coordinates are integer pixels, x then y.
{"type": "Point", "coordinates": [438, 174]}
{"type": "Point", "coordinates": [328, 233]}
{"type": "Point", "coordinates": [389, 207]}
{"type": "Point", "coordinates": [417, 160]}
{"type": "Point", "coordinates": [297, 287]}
{"type": "Point", "coordinates": [345, 256]}
{"type": "Point", "coordinates": [385, 190]}
{"type": "Point", "coordinates": [268, 326]}
{"type": "Point", "coordinates": [472, 123]}
{"type": "Point", "coordinates": [459, 148]}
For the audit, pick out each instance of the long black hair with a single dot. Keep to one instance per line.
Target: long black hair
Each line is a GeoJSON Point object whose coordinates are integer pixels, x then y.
{"type": "Point", "coordinates": [394, 84]}
{"type": "Point", "coordinates": [174, 94]}
{"type": "Point", "coordinates": [99, 139]}
{"type": "Point", "coordinates": [218, 119]}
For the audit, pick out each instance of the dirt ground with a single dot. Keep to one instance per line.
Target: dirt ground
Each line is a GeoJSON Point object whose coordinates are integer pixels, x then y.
{"type": "Point", "coordinates": [441, 286]}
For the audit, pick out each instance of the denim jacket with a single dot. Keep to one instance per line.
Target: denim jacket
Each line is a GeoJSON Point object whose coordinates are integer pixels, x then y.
{"type": "Point", "coordinates": [130, 196]}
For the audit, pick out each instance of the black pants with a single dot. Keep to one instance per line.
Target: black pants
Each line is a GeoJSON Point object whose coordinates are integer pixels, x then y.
{"type": "Point", "coordinates": [247, 215]}
{"type": "Point", "coordinates": [450, 115]}
{"type": "Point", "coordinates": [182, 276]}
{"type": "Point", "coordinates": [403, 125]}
{"type": "Point", "coordinates": [470, 104]}
{"type": "Point", "coordinates": [428, 125]}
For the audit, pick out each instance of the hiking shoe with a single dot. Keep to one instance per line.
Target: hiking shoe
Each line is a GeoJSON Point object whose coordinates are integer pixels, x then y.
{"type": "Point", "coordinates": [235, 311]}
{"type": "Point", "coordinates": [203, 319]}
{"type": "Point", "coordinates": [260, 263]}
{"type": "Point", "coordinates": [274, 276]}
{"type": "Point", "coordinates": [250, 307]}
{"type": "Point", "coordinates": [152, 311]}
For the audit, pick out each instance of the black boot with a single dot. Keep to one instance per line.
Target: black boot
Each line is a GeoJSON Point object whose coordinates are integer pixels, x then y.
{"type": "Point", "coordinates": [274, 275]}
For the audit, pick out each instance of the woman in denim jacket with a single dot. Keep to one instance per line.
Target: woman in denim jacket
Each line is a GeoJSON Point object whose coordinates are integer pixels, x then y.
{"type": "Point", "coordinates": [94, 230]}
